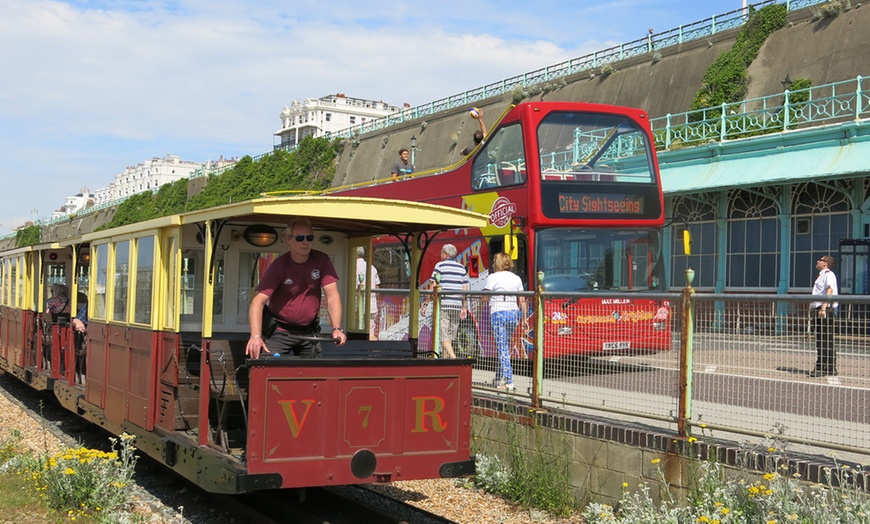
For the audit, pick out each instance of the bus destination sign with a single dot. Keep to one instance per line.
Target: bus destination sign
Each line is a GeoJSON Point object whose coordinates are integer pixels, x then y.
{"type": "Point", "coordinates": [601, 204]}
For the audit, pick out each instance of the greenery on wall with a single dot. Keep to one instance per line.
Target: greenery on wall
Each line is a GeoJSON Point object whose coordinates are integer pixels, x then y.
{"type": "Point", "coordinates": [310, 167]}
{"type": "Point", "coordinates": [726, 79]}
{"type": "Point", "coordinates": [28, 236]}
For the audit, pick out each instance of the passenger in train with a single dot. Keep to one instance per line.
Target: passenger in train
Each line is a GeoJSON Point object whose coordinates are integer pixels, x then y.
{"type": "Point", "coordinates": [80, 327]}
{"type": "Point", "coordinates": [287, 302]}
{"type": "Point", "coordinates": [80, 322]}
{"type": "Point", "coordinates": [505, 313]}
{"type": "Point", "coordinates": [58, 303]}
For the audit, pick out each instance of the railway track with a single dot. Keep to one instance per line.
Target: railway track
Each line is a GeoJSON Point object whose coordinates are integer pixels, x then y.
{"type": "Point", "coordinates": [179, 501]}
{"type": "Point", "coordinates": [335, 505]}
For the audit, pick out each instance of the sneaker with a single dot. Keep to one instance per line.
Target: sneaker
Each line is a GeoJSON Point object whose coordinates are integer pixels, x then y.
{"type": "Point", "coordinates": [510, 388]}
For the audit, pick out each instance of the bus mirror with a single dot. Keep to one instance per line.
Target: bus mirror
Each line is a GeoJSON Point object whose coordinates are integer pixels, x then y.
{"type": "Point", "coordinates": [687, 242]}
{"type": "Point", "coordinates": [510, 246]}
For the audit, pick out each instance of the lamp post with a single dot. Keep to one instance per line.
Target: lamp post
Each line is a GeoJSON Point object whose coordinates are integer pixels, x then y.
{"type": "Point", "coordinates": [786, 84]}
{"type": "Point", "coordinates": [413, 147]}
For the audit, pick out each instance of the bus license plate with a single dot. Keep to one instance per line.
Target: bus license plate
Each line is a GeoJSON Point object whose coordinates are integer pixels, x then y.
{"type": "Point", "coordinates": [613, 346]}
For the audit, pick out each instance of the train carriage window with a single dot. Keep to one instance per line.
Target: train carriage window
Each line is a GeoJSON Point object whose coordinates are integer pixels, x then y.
{"type": "Point", "coordinates": [191, 285]}
{"type": "Point", "coordinates": [144, 272]}
{"type": "Point", "coordinates": [252, 266]}
{"type": "Point", "coordinates": [218, 305]}
{"type": "Point", "coordinates": [2, 282]}
{"type": "Point", "coordinates": [100, 264]}
{"type": "Point", "coordinates": [55, 274]}
{"type": "Point", "coordinates": [17, 282]}
{"type": "Point", "coordinates": [169, 265]}
{"type": "Point", "coordinates": [121, 286]}
{"type": "Point", "coordinates": [502, 161]}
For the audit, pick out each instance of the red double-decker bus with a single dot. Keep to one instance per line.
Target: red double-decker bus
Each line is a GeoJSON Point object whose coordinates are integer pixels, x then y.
{"type": "Point", "coordinates": [574, 189]}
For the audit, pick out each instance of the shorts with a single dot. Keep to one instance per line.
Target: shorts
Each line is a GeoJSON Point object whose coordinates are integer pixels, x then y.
{"type": "Point", "coordinates": [449, 323]}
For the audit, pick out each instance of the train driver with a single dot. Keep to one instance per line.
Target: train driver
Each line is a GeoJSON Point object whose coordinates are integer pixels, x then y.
{"type": "Point", "coordinates": [287, 302]}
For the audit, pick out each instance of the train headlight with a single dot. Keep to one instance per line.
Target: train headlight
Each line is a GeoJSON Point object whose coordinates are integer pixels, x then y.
{"type": "Point", "coordinates": [565, 331]}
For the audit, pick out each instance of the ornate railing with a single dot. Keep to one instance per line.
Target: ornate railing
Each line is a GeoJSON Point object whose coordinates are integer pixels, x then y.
{"type": "Point", "coordinates": [811, 107]}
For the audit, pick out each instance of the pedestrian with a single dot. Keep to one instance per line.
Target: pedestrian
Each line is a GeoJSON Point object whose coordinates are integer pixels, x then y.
{"type": "Point", "coordinates": [824, 316]}
{"type": "Point", "coordinates": [505, 314]}
{"type": "Point", "coordinates": [374, 283]}
{"type": "Point", "coordinates": [453, 307]}
{"type": "Point", "coordinates": [403, 165]}
{"type": "Point", "coordinates": [288, 298]}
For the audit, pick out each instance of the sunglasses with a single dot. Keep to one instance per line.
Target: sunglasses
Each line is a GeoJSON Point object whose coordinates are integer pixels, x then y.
{"type": "Point", "coordinates": [300, 238]}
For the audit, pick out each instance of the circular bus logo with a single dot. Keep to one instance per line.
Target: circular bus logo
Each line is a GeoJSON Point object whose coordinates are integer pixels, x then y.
{"type": "Point", "coordinates": [502, 211]}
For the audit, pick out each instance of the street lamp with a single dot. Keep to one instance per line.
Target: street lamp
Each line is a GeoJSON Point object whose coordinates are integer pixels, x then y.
{"type": "Point", "coordinates": [786, 84]}
{"type": "Point", "coordinates": [413, 147]}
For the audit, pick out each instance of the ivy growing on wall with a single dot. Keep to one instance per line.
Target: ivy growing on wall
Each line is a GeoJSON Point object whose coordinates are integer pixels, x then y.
{"type": "Point", "coordinates": [309, 167]}
{"type": "Point", "coordinates": [28, 236]}
{"type": "Point", "coordinates": [726, 79]}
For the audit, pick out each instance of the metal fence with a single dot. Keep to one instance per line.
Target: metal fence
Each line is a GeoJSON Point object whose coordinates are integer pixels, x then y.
{"type": "Point", "coordinates": [736, 365]}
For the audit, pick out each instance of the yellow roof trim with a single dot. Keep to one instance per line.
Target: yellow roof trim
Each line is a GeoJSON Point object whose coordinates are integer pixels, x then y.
{"type": "Point", "coordinates": [156, 223]}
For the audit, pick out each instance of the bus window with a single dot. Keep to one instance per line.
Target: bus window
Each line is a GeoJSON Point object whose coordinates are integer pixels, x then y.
{"type": "Point", "coordinates": [502, 161]}
{"type": "Point", "coordinates": [578, 146]}
{"type": "Point", "coordinates": [588, 260]}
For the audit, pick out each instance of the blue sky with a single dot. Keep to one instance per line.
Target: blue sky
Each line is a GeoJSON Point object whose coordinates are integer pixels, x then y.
{"type": "Point", "coordinates": [90, 87]}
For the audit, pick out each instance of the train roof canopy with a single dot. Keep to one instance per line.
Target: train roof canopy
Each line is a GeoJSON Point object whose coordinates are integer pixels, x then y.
{"type": "Point", "coordinates": [355, 216]}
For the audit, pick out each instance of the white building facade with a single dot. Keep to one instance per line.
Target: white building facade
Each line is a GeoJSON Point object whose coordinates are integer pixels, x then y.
{"type": "Point", "coordinates": [75, 203]}
{"type": "Point", "coordinates": [317, 116]}
{"type": "Point", "coordinates": [146, 176]}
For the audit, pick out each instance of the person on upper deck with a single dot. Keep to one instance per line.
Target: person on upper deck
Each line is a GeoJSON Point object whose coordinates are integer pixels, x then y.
{"type": "Point", "coordinates": [403, 165]}
{"type": "Point", "coordinates": [290, 292]}
{"type": "Point", "coordinates": [478, 136]}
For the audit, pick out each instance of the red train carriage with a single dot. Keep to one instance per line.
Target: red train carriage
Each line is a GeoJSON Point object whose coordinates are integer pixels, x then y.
{"type": "Point", "coordinates": [163, 358]}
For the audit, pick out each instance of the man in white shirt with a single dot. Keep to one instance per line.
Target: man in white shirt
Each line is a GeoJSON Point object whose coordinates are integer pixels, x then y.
{"type": "Point", "coordinates": [824, 314]}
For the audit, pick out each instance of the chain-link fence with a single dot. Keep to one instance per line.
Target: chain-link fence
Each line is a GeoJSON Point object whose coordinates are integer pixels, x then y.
{"type": "Point", "coordinates": [743, 365]}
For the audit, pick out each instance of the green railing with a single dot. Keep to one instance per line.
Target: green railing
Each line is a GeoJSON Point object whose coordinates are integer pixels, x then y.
{"type": "Point", "coordinates": [844, 101]}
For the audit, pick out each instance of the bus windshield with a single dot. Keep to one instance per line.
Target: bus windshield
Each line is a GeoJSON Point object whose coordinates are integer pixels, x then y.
{"type": "Point", "coordinates": [579, 146]}
{"type": "Point", "coordinates": [600, 260]}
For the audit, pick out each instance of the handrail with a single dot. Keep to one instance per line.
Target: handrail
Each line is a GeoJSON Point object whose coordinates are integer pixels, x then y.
{"type": "Point", "coordinates": [844, 101]}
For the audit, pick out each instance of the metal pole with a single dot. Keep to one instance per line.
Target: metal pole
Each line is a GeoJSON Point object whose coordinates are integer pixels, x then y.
{"type": "Point", "coordinates": [686, 338]}
{"type": "Point", "coordinates": [538, 373]}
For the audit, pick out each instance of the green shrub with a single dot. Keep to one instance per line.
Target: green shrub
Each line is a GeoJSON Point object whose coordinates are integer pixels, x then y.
{"type": "Point", "coordinates": [726, 79]}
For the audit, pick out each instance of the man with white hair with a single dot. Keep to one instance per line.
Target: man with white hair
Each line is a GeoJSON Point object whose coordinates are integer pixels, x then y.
{"type": "Point", "coordinates": [453, 307]}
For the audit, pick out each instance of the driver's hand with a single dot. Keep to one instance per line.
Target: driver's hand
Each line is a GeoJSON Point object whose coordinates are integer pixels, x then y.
{"type": "Point", "coordinates": [340, 336]}
{"type": "Point", "coordinates": [255, 346]}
